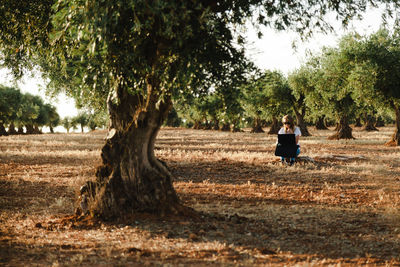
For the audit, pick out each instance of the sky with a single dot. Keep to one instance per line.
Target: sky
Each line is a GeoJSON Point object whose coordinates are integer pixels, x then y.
{"type": "Point", "coordinates": [273, 51]}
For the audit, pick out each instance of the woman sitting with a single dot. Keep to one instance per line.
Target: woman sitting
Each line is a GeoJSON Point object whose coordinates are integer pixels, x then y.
{"type": "Point", "coordinates": [290, 128]}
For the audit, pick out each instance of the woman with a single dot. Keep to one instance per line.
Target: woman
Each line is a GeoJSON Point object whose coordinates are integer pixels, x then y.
{"type": "Point", "coordinates": [290, 128]}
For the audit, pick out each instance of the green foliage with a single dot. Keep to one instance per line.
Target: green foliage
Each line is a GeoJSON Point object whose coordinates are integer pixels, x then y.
{"type": "Point", "coordinates": [81, 119]}
{"type": "Point", "coordinates": [376, 72]}
{"type": "Point", "coordinates": [92, 49]}
{"type": "Point", "coordinates": [277, 93]}
{"type": "Point", "coordinates": [10, 101]}
{"type": "Point", "coordinates": [68, 123]}
{"type": "Point", "coordinates": [97, 119]}
{"type": "Point", "coordinates": [23, 109]}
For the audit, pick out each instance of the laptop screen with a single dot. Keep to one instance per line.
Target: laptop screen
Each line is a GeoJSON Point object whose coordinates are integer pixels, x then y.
{"type": "Point", "coordinates": [287, 139]}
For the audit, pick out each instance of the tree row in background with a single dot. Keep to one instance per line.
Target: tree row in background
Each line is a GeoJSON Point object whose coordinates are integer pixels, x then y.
{"type": "Point", "coordinates": [24, 113]}
{"type": "Point", "coordinates": [357, 81]}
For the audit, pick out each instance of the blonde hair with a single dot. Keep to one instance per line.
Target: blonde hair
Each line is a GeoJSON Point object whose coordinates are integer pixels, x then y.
{"type": "Point", "coordinates": [289, 119]}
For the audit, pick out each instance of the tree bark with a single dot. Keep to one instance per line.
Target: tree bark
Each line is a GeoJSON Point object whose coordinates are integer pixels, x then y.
{"type": "Point", "coordinates": [215, 125]}
{"type": "Point", "coordinates": [21, 130]}
{"type": "Point", "coordinates": [37, 130]}
{"type": "Point", "coordinates": [358, 122]}
{"type": "Point", "coordinates": [257, 126]}
{"type": "Point", "coordinates": [226, 127]}
{"type": "Point", "coordinates": [395, 140]}
{"type": "Point", "coordinates": [275, 126]}
{"type": "Point", "coordinates": [11, 129]}
{"type": "Point", "coordinates": [369, 124]}
{"type": "Point", "coordinates": [3, 130]}
{"type": "Point", "coordinates": [344, 131]}
{"type": "Point", "coordinates": [320, 123]}
{"type": "Point", "coordinates": [301, 123]}
{"type": "Point", "coordinates": [30, 129]}
{"type": "Point", "coordinates": [379, 122]}
{"type": "Point", "coordinates": [131, 178]}
{"type": "Point", "coordinates": [197, 125]}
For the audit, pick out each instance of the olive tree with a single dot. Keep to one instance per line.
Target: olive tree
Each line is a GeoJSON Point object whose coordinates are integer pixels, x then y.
{"type": "Point", "coordinates": [135, 56]}
{"type": "Point", "coordinates": [376, 72]}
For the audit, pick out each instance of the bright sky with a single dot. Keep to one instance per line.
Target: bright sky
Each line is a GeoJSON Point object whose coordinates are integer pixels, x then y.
{"type": "Point", "coordinates": [273, 51]}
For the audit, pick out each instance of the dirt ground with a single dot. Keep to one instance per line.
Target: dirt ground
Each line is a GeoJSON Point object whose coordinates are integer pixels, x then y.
{"type": "Point", "coordinates": [339, 208]}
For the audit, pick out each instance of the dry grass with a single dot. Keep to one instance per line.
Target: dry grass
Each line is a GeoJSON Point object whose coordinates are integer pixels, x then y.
{"type": "Point", "coordinates": [341, 210]}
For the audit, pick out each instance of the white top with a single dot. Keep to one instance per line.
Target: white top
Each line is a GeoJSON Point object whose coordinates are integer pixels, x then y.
{"type": "Point", "coordinates": [297, 131]}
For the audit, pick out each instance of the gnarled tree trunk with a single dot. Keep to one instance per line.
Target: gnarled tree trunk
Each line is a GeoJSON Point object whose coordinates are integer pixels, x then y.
{"type": "Point", "coordinates": [369, 124]}
{"type": "Point", "coordinates": [197, 125]}
{"type": "Point", "coordinates": [21, 130]}
{"type": "Point", "coordinates": [275, 126]}
{"type": "Point", "coordinates": [37, 130]}
{"type": "Point", "coordinates": [257, 126]}
{"type": "Point", "coordinates": [395, 140]}
{"type": "Point", "coordinates": [379, 122]}
{"type": "Point", "coordinates": [320, 123]}
{"type": "Point", "coordinates": [344, 131]}
{"type": "Point", "coordinates": [215, 125]}
{"type": "Point", "coordinates": [30, 129]}
{"type": "Point", "coordinates": [358, 122]}
{"type": "Point", "coordinates": [3, 130]}
{"type": "Point", "coordinates": [226, 127]}
{"type": "Point", "coordinates": [131, 178]}
{"type": "Point", "coordinates": [11, 129]}
{"type": "Point", "coordinates": [301, 123]}
{"type": "Point", "coordinates": [235, 126]}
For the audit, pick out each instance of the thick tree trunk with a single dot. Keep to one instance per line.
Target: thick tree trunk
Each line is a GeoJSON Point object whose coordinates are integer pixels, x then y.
{"type": "Point", "coordinates": [3, 130]}
{"type": "Point", "coordinates": [344, 131]}
{"type": "Point", "coordinates": [30, 129]}
{"type": "Point", "coordinates": [131, 178]}
{"type": "Point", "coordinates": [21, 130]}
{"type": "Point", "coordinates": [257, 127]}
{"type": "Point", "coordinates": [51, 129]}
{"type": "Point", "coordinates": [395, 140]}
{"type": "Point", "coordinates": [226, 127]}
{"type": "Point", "coordinates": [215, 125]}
{"type": "Point", "coordinates": [369, 124]}
{"type": "Point", "coordinates": [197, 125]}
{"type": "Point", "coordinates": [11, 129]}
{"type": "Point", "coordinates": [207, 125]}
{"type": "Point", "coordinates": [37, 130]}
{"type": "Point", "coordinates": [301, 123]}
{"type": "Point", "coordinates": [379, 122]}
{"type": "Point", "coordinates": [275, 126]}
{"type": "Point", "coordinates": [320, 123]}
{"type": "Point", "coordinates": [358, 122]}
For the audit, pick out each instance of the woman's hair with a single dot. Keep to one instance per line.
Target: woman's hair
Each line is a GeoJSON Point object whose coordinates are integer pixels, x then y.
{"type": "Point", "coordinates": [288, 118]}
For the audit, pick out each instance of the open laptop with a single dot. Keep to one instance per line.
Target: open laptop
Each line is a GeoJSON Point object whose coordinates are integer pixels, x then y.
{"type": "Point", "coordinates": [286, 146]}
{"type": "Point", "coordinates": [287, 139]}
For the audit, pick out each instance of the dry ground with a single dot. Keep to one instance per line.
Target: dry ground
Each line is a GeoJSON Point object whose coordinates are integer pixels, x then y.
{"type": "Point", "coordinates": [343, 209]}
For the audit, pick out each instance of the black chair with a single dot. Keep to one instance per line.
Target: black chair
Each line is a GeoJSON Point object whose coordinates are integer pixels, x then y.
{"type": "Point", "coordinates": [286, 146]}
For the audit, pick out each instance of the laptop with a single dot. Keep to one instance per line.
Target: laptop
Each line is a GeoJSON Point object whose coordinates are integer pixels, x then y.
{"type": "Point", "coordinates": [286, 139]}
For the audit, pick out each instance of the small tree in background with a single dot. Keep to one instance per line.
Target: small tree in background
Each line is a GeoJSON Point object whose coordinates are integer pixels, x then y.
{"type": "Point", "coordinates": [82, 119]}
{"type": "Point", "coordinates": [254, 100]}
{"type": "Point", "coordinates": [97, 119]}
{"type": "Point", "coordinates": [10, 103]}
{"type": "Point", "coordinates": [68, 123]}
{"type": "Point", "coordinates": [331, 83]}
